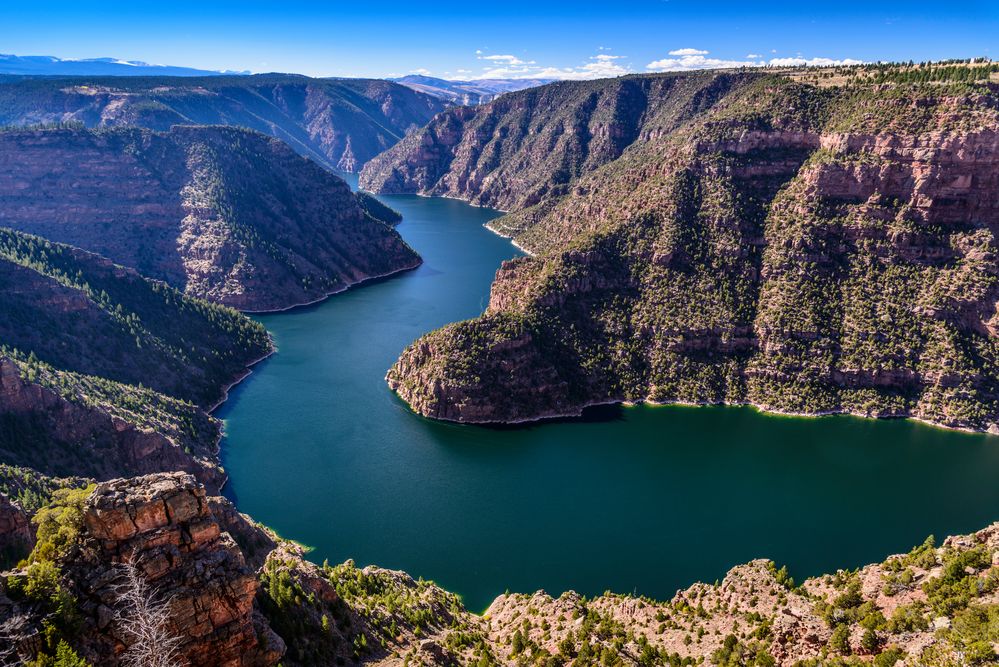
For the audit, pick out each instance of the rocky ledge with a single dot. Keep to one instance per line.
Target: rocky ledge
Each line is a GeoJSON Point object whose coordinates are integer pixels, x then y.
{"type": "Point", "coordinates": [163, 526]}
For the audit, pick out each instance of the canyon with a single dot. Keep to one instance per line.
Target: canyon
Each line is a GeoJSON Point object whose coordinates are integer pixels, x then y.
{"type": "Point", "coordinates": [704, 238]}
{"type": "Point", "coordinates": [166, 527]}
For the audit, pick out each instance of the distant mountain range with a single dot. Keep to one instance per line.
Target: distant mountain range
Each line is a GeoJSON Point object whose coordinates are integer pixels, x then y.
{"type": "Point", "coordinates": [472, 92]}
{"type": "Point", "coordinates": [477, 91]}
{"type": "Point", "coordinates": [341, 123]}
{"type": "Point", "coordinates": [46, 65]}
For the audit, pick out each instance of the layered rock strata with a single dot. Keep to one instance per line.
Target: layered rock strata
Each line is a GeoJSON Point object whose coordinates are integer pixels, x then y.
{"type": "Point", "coordinates": [754, 240]}
{"type": "Point", "coordinates": [223, 214]}
{"type": "Point", "coordinates": [936, 605]}
{"type": "Point", "coordinates": [163, 526]}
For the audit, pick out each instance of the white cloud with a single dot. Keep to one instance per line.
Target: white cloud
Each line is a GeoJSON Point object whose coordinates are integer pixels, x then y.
{"type": "Point", "coordinates": [685, 63]}
{"type": "Point", "coordinates": [505, 59]}
{"type": "Point", "coordinates": [696, 61]}
{"type": "Point", "coordinates": [688, 52]}
{"type": "Point", "coordinates": [422, 71]}
{"type": "Point", "coordinates": [602, 65]}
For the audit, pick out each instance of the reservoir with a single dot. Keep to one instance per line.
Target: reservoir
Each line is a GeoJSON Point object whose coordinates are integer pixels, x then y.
{"type": "Point", "coordinates": [639, 500]}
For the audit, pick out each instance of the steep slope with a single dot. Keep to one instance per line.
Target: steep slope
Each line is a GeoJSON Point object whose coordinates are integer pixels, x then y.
{"type": "Point", "coordinates": [341, 123]}
{"type": "Point", "coordinates": [80, 312]}
{"type": "Point", "coordinates": [65, 424]}
{"type": "Point", "coordinates": [224, 214]}
{"type": "Point", "coordinates": [808, 250]}
{"type": "Point", "coordinates": [104, 372]}
{"type": "Point", "coordinates": [528, 146]}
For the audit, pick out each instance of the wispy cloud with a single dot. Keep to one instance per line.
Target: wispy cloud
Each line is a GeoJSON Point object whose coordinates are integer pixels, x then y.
{"type": "Point", "coordinates": [605, 65]}
{"type": "Point", "coordinates": [422, 71]}
{"type": "Point", "coordinates": [599, 66]}
{"type": "Point", "coordinates": [695, 59]}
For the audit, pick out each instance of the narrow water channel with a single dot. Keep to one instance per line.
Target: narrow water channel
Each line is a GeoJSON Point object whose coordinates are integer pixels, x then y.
{"type": "Point", "coordinates": [644, 500]}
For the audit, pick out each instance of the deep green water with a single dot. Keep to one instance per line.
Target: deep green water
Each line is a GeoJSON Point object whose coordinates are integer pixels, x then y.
{"type": "Point", "coordinates": [648, 500]}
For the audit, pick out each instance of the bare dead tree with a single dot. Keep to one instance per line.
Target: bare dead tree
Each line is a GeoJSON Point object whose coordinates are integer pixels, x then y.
{"type": "Point", "coordinates": [143, 615]}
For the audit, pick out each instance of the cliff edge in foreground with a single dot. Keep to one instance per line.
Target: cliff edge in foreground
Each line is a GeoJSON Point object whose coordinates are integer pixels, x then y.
{"type": "Point", "coordinates": [232, 594]}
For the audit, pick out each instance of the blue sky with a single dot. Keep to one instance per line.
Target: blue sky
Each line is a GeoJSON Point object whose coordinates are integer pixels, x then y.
{"type": "Point", "coordinates": [516, 38]}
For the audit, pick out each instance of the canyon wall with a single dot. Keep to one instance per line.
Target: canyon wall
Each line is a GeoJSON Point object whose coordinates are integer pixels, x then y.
{"type": "Point", "coordinates": [104, 373]}
{"type": "Point", "coordinates": [223, 214]}
{"type": "Point", "coordinates": [808, 250]}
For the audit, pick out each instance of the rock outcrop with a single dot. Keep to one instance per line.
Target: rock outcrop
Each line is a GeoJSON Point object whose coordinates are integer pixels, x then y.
{"type": "Point", "coordinates": [728, 238]}
{"type": "Point", "coordinates": [906, 608]}
{"type": "Point", "coordinates": [342, 613]}
{"type": "Point", "coordinates": [223, 214]}
{"type": "Point", "coordinates": [163, 526]}
{"type": "Point", "coordinates": [341, 123]}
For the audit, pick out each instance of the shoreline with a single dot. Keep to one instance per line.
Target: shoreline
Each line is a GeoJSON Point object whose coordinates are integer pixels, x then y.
{"type": "Point", "coordinates": [510, 239]}
{"type": "Point", "coordinates": [341, 290]}
{"type": "Point", "coordinates": [770, 412]}
{"type": "Point", "coordinates": [246, 372]}
{"type": "Point", "coordinates": [451, 197]}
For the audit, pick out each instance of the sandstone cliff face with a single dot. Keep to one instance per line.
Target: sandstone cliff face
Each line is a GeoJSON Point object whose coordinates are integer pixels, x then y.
{"type": "Point", "coordinates": [528, 146]}
{"type": "Point", "coordinates": [163, 525]}
{"type": "Point", "coordinates": [222, 214]}
{"type": "Point", "coordinates": [50, 427]}
{"type": "Point", "coordinates": [936, 605]}
{"type": "Point", "coordinates": [806, 250]}
{"type": "Point", "coordinates": [340, 123]}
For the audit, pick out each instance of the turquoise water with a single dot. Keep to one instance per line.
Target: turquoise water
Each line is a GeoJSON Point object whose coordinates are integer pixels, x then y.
{"type": "Point", "coordinates": [645, 499]}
